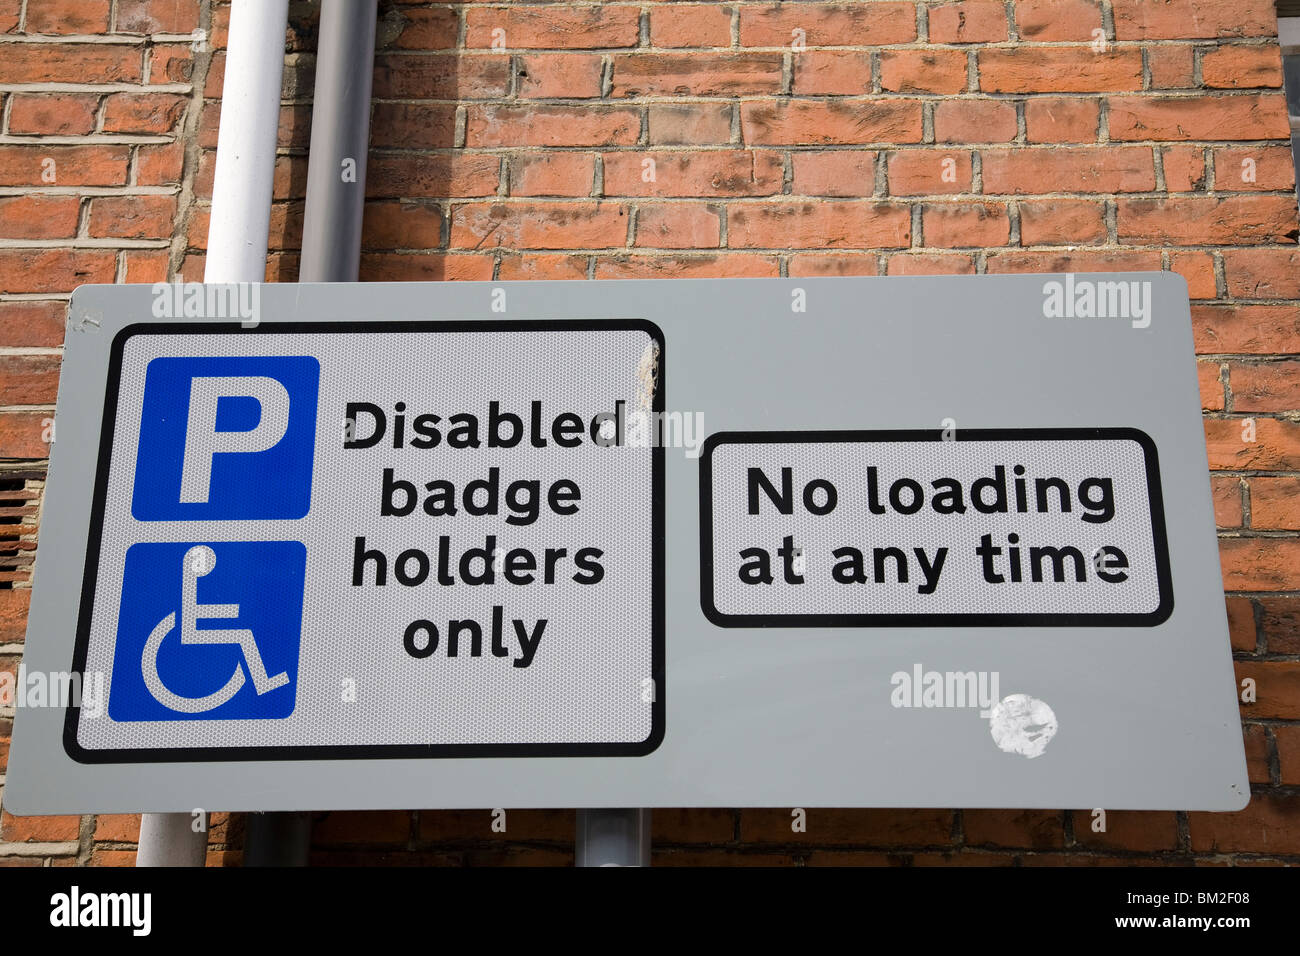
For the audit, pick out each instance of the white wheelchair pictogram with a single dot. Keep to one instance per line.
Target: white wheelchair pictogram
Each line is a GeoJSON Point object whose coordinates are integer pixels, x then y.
{"type": "Point", "coordinates": [199, 561]}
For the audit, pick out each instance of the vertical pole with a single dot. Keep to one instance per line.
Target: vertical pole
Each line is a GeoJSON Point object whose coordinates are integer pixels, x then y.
{"type": "Point", "coordinates": [237, 237]}
{"type": "Point", "coordinates": [331, 252]}
{"type": "Point", "coordinates": [340, 139]}
{"type": "Point", "coordinates": [613, 838]}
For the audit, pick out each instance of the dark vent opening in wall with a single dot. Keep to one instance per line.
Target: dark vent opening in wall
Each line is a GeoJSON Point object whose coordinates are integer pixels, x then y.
{"type": "Point", "coordinates": [19, 502]}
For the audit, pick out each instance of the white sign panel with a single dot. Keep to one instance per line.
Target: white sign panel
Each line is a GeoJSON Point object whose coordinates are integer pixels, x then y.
{"type": "Point", "coordinates": [790, 542]}
{"type": "Point", "coordinates": [964, 528]}
{"type": "Point", "coordinates": [425, 539]}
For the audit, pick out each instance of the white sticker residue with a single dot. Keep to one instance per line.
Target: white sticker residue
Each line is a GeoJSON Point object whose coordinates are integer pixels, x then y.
{"type": "Point", "coordinates": [1023, 725]}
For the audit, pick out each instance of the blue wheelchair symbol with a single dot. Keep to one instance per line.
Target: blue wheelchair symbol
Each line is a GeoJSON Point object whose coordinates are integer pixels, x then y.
{"type": "Point", "coordinates": [173, 661]}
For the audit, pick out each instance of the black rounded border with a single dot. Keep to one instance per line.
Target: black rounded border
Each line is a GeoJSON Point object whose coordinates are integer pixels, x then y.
{"type": "Point", "coordinates": [1155, 500]}
{"type": "Point", "coordinates": [386, 751]}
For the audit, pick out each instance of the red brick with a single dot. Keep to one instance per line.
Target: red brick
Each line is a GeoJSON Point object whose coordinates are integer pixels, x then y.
{"type": "Point", "coordinates": [1127, 830]}
{"type": "Point", "coordinates": [1241, 624]}
{"type": "Point", "coordinates": [552, 126]}
{"type": "Point", "coordinates": [1197, 267]}
{"type": "Point", "coordinates": [1211, 386]}
{"type": "Point", "coordinates": [725, 172]}
{"type": "Point", "coordinates": [422, 267]}
{"type": "Point", "coordinates": [1192, 19]}
{"type": "Point", "coordinates": [61, 114]}
{"type": "Point", "coordinates": [1080, 169]}
{"type": "Point", "coordinates": [915, 172]}
{"type": "Point", "coordinates": [694, 74]}
{"type": "Point", "coordinates": [60, 829]}
{"type": "Point", "coordinates": [929, 264]}
{"type": "Point", "coordinates": [67, 16]}
{"type": "Point", "coordinates": [552, 174]}
{"type": "Point", "coordinates": [1208, 220]}
{"type": "Point", "coordinates": [1275, 504]}
{"type": "Point", "coordinates": [1045, 21]}
{"type": "Point", "coordinates": [567, 225]}
{"type": "Point", "coordinates": [147, 265]}
{"type": "Point", "coordinates": [143, 113]}
{"type": "Point", "coordinates": [401, 225]}
{"type": "Point", "coordinates": [412, 175]}
{"type": "Point", "coordinates": [556, 75]}
{"type": "Point", "coordinates": [544, 266]}
{"type": "Point", "coordinates": [677, 226]}
{"type": "Point", "coordinates": [1265, 387]}
{"type": "Point", "coordinates": [974, 121]}
{"type": "Point", "coordinates": [1242, 67]}
{"type": "Point", "coordinates": [834, 173]}
{"type": "Point", "coordinates": [1184, 168]}
{"type": "Point", "coordinates": [72, 165]}
{"type": "Point", "coordinates": [553, 26]}
{"type": "Point", "coordinates": [29, 379]}
{"type": "Point", "coordinates": [832, 72]}
{"type": "Point", "coordinates": [1269, 824]}
{"type": "Point", "coordinates": [1246, 329]}
{"type": "Point", "coordinates": [819, 225]}
{"type": "Point", "coordinates": [1243, 116]}
{"type": "Point", "coordinates": [1279, 624]}
{"type": "Point", "coordinates": [1171, 67]}
{"type": "Point", "coordinates": [412, 125]}
{"type": "Point", "coordinates": [1271, 167]}
{"type": "Point", "coordinates": [860, 827]}
{"type": "Point", "coordinates": [157, 16]}
{"type": "Point", "coordinates": [1287, 737]}
{"type": "Point", "coordinates": [439, 76]}
{"type": "Point", "coordinates": [1037, 829]}
{"type": "Point", "coordinates": [690, 123]}
{"type": "Point", "coordinates": [1262, 273]}
{"type": "Point", "coordinates": [828, 24]}
{"type": "Point", "coordinates": [14, 603]}
{"type": "Point", "coordinates": [958, 225]}
{"type": "Point", "coordinates": [526, 825]}
{"type": "Point", "coordinates": [1076, 69]}
{"type": "Point", "coordinates": [923, 71]}
{"type": "Point", "coordinates": [1051, 222]}
{"type": "Point", "coordinates": [835, 264]}
{"type": "Point", "coordinates": [1262, 564]}
{"type": "Point", "coordinates": [159, 165]}
{"type": "Point", "coordinates": [32, 323]}
{"type": "Point", "coordinates": [39, 217]}
{"type": "Point", "coordinates": [690, 25]}
{"type": "Point", "coordinates": [427, 29]}
{"type": "Point", "coordinates": [970, 21]}
{"type": "Point", "coordinates": [70, 63]}
{"type": "Point", "coordinates": [1052, 119]}
{"type": "Point", "coordinates": [54, 270]}
{"type": "Point", "coordinates": [1225, 489]}
{"type": "Point", "coordinates": [174, 63]}
{"type": "Point", "coordinates": [732, 266]}
{"type": "Point", "coordinates": [132, 217]}
{"type": "Point", "coordinates": [1276, 446]}
{"type": "Point", "coordinates": [117, 828]}
{"type": "Point", "coordinates": [830, 123]}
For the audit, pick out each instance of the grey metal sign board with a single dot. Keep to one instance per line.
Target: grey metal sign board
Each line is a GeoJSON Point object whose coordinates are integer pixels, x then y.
{"type": "Point", "coordinates": [791, 542]}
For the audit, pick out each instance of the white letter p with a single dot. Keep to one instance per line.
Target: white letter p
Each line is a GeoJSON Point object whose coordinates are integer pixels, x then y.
{"type": "Point", "coordinates": [203, 441]}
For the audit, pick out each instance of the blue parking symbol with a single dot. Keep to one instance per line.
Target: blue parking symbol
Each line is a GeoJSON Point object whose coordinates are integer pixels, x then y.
{"type": "Point", "coordinates": [226, 438]}
{"type": "Point", "coordinates": [209, 631]}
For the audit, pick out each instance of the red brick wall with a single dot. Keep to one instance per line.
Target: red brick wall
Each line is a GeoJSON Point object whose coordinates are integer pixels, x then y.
{"type": "Point", "coordinates": [978, 136]}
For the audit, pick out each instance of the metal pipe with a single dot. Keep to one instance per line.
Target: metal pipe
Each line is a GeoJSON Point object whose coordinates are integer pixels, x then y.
{"type": "Point", "coordinates": [340, 138]}
{"type": "Point", "coordinates": [237, 239]}
{"type": "Point", "coordinates": [613, 838]}
{"type": "Point", "coordinates": [331, 252]}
